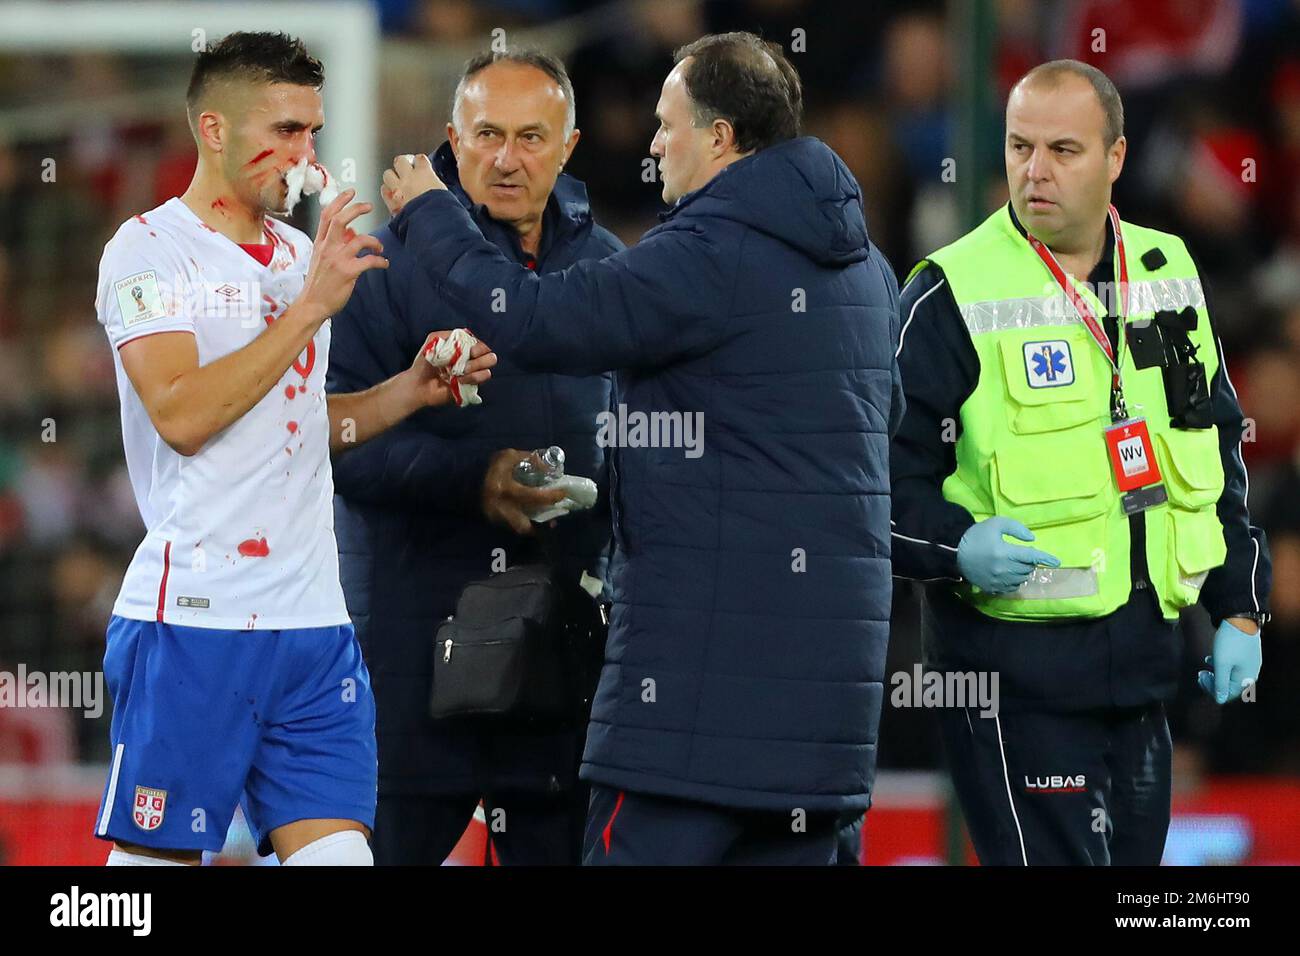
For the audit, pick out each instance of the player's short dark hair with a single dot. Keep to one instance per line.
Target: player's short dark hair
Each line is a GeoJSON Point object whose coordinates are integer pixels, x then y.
{"type": "Point", "coordinates": [256, 58]}
{"type": "Point", "coordinates": [1107, 94]}
{"type": "Point", "coordinates": [746, 81]}
{"type": "Point", "coordinates": [548, 63]}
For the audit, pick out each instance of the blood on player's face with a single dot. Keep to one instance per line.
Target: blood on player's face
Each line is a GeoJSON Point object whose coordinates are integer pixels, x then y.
{"type": "Point", "coordinates": [275, 129]}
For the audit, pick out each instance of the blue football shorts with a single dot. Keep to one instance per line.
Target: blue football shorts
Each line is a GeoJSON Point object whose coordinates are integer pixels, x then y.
{"type": "Point", "coordinates": [281, 723]}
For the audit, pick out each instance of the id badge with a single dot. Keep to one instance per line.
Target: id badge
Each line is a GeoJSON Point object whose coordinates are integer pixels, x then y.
{"type": "Point", "coordinates": [1133, 462]}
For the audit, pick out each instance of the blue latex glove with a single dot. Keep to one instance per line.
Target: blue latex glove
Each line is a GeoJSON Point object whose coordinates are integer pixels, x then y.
{"type": "Point", "coordinates": [1234, 663]}
{"type": "Point", "coordinates": [995, 565]}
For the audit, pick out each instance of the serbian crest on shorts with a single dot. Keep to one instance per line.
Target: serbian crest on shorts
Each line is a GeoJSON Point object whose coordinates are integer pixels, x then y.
{"type": "Point", "coordinates": [149, 806]}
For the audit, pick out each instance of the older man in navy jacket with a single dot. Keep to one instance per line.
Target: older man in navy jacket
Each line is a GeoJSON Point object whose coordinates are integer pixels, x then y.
{"type": "Point", "coordinates": [431, 505]}
{"type": "Point", "coordinates": [736, 715]}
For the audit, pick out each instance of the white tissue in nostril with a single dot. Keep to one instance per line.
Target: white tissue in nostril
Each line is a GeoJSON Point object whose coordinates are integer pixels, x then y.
{"type": "Point", "coordinates": [307, 178]}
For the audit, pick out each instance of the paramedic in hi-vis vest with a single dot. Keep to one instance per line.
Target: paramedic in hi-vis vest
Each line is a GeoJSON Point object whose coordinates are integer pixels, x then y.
{"type": "Point", "coordinates": [1067, 477]}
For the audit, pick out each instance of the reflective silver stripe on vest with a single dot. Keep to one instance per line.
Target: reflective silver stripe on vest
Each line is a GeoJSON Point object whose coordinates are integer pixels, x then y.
{"type": "Point", "coordinates": [998, 315]}
{"type": "Point", "coordinates": [1056, 584]}
{"type": "Point", "coordinates": [1195, 582]}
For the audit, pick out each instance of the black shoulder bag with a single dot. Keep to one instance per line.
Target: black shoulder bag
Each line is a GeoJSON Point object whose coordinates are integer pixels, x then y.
{"type": "Point", "coordinates": [503, 651]}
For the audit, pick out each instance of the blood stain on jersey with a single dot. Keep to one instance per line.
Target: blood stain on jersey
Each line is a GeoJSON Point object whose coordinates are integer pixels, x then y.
{"type": "Point", "coordinates": [292, 426]}
{"type": "Point", "coordinates": [254, 548]}
{"type": "Point", "coordinates": [290, 391]}
{"type": "Point", "coordinates": [140, 219]}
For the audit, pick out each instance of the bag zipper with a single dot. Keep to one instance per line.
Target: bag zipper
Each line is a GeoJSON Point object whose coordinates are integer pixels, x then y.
{"type": "Point", "coordinates": [448, 644]}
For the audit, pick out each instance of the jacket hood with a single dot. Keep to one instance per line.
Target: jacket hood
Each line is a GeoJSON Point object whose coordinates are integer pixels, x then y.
{"type": "Point", "coordinates": [799, 192]}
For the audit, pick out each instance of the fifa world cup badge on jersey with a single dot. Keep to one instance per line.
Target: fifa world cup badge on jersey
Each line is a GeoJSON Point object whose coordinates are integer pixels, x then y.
{"type": "Point", "coordinates": [139, 298]}
{"type": "Point", "coordinates": [1049, 364]}
{"type": "Point", "coordinates": [149, 807]}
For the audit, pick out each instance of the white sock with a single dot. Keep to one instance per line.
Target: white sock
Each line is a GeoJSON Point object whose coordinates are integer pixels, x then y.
{"type": "Point", "coordinates": [122, 858]}
{"type": "Point", "coordinates": [344, 848]}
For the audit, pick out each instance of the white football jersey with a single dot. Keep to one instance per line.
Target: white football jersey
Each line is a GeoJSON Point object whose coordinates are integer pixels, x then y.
{"type": "Point", "coordinates": [241, 534]}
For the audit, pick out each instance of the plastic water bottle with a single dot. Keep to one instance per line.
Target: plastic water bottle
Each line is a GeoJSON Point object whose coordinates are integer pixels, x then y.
{"type": "Point", "coordinates": [544, 468]}
{"type": "Point", "coordinates": [550, 469]}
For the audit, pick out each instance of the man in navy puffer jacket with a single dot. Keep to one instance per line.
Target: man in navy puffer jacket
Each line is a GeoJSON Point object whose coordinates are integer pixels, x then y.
{"type": "Point", "coordinates": [736, 715]}
{"type": "Point", "coordinates": [413, 508]}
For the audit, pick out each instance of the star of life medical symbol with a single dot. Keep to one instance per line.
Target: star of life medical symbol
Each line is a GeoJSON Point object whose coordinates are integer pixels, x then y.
{"type": "Point", "coordinates": [1048, 364]}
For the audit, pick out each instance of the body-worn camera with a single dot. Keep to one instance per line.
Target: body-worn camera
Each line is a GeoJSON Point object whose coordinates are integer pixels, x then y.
{"type": "Point", "coordinates": [1164, 341]}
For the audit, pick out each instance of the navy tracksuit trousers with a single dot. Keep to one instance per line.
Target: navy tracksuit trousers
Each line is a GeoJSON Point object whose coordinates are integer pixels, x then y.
{"type": "Point", "coordinates": [638, 829]}
{"type": "Point", "coordinates": [1077, 788]}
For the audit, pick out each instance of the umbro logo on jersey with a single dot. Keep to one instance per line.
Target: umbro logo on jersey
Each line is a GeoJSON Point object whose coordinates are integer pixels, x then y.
{"type": "Point", "coordinates": [183, 601]}
{"type": "Point", "coordinates": [230, 300]}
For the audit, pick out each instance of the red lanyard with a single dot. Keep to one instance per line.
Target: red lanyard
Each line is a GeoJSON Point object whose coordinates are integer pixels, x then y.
{"type": "Point", "coordinates": [1085, 310]}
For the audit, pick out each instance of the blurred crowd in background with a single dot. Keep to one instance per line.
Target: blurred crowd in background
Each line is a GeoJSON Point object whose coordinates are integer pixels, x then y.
{"type": "Point", "coordinates": [1212, 96]}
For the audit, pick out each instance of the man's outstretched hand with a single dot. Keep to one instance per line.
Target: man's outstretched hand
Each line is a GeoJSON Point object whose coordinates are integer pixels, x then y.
{"type": "Point", "coordinates": [431, 385]}
{"type": "Point", "coordinates": [412, 175]}
{"type": "Point", "coordinates": [357, 417]}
